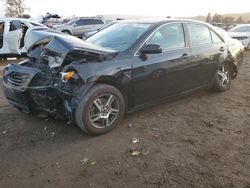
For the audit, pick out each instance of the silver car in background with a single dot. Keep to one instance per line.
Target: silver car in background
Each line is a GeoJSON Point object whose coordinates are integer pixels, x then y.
{"type": "Point", "coordinates": [242, 33]}
{"type": "Point", "coordinates": [79, 26]}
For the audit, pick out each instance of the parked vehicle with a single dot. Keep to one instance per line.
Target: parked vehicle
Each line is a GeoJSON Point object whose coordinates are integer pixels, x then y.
{"type": "Point", "coordinates": [90, 33]}
{"type": "Point", "coordinates": [79, 26]}
{"type": "Point", "coordinates": [12, 33]}
{"type": "Point", "coordinates": [45, 19]}
{"type": "Point", "coordinates": [234, 45]}
{"type": "Point", "coordinates": [242, 33]}
{"type": "Point", "coordinates": [123, 68]}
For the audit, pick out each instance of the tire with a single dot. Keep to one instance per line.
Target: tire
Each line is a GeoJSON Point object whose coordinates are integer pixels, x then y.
{"type": "Point", "coordinates": [222, 81]}
{"type": "Point", "coordinates": [100, 110]}
{"type": "Point", "coordinates": [67, 32]}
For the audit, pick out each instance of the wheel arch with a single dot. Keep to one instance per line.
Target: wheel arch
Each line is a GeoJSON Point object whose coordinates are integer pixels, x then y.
{"type": "Point", "coordinates": [232, 68]}
{"type": "Point", "coordinates": [117, 85]}
{"type": "Point", "coordinates": [67, 31]}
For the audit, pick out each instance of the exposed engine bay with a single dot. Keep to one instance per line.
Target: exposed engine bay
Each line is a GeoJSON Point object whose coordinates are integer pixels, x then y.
{"type": "Point", "coordinates": [50, 77]}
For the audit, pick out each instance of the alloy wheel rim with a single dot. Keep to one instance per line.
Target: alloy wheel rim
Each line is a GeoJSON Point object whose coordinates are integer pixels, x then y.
{"type": "Point", "coordinates": [104, 111]}
{"type": "Point", "coordinates": [223, 74]}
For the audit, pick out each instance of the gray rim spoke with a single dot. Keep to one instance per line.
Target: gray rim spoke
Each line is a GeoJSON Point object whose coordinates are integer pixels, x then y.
{"type": "Point", "coordinates": [114, 111]}
{"type": "Point", "coordinates": [104, 111]}
{"type": "Point", "coordinates": [220, 72]}
{"type": "Point", "coordinates": [106, 122]}
{"type": "Point", "coordinates": [98, 104]}
{"type": "Point", "coordinates": [96, 118]}
{"type": "Point", "coordinates": [110, 100]}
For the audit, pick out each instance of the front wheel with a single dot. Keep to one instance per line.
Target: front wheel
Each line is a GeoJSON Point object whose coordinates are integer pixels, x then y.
{"type": "Point", "coordinates": [100, 110]}
{"type": "Point", "coordinates": [222, 80]}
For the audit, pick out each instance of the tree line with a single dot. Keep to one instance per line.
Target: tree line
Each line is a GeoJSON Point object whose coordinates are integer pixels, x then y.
{"type": "Point", "coordinates": [16, 8]}
{"type": "Point", "coordinates": [217, 18]}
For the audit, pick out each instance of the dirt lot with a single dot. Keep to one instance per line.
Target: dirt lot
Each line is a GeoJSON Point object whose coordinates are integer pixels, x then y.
{"type": "Point", "coordinates": [199, 141]}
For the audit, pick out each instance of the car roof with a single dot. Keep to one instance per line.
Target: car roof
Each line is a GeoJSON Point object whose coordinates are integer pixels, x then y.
{"type": "Point", "coordinates": [243, 25]}
{"type": "Point", "coordinates": [162, 21]}
{"type": "Point", "coordinates": [21, 19]}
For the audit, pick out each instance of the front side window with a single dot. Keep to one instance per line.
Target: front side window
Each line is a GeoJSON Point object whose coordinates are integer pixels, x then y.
{"type": "Point", "coordinates": [98, 22]}
{"type": "Point", "coordinates": [170, 36]}
{"type": "Point", "coordinates": [118, 37]}
{"type": "Point", "coordinates": [198, 34]}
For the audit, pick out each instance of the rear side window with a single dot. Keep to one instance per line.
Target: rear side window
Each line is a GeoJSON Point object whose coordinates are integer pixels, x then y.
{"type": "Point", "coordinates": [215, 37]}
{"type": "Point", "coordinates": [169, 37]}
{"type": "Point", "coordinates": [198, 34]}
{"type": "Point", "coordinates": [85, 22]}
{"type": "Point", "coordinates": [98, 22]}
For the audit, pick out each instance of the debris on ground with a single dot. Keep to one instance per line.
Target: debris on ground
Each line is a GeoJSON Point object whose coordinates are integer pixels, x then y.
{"type": "Point", "coordinates": [86, 160]}
{"type": "Point", "coordinates": [42, 116]}
{"type": "Point", "coordinates": [4, 132]}
{"type": "Point", "coordinates": [135, 153]}
{"type": "Point", "coordinates": [135, 140]}
{"type": "Point", "coordinates": [93, 163]}
{"type": "Point", "coordinates": [45, 128]}
{"type": "Point", "coordinates": [208, 123]}
{"type": "Point", "coordinates": [145, 152]}
{"type": "Point", "coordinates": [52, 134]}
{"type": "Point", "coordinates": [130, 125]}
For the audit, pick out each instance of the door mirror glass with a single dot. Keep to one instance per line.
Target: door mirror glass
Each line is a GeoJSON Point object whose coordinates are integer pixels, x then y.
{"type": "Point", "coordinates": [151, 49]}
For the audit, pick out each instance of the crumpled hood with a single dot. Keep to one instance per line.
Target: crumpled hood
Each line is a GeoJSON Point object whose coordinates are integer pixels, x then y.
{"type": "Point", "coordinates": [60, 43]}
{"type": "Point", "coordinates": [239, 34]}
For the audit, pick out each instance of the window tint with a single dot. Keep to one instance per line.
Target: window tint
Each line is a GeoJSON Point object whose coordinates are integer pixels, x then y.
{"type": "Point", "coordinates": [215, 37]}
{"type": "Point", "coordinates": [198, 34]}
{"type": "Point", "coordinates": [241, 28]}
{"type": "Point", "coordinates": [98, 21]}
{"type": "Point", "coordinates": [15, 24]}
{"type": "Point", "coordinates": [168, 37]}
{"type": "Point", "coordinates": [85, 22]}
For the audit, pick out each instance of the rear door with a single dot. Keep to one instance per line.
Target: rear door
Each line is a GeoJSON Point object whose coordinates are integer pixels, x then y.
{"type": "Point", "coordinates": [207, 52]}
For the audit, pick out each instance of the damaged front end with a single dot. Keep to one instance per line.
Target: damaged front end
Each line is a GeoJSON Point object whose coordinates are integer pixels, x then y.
{"type": "Point", "coordinates": [48, 81]}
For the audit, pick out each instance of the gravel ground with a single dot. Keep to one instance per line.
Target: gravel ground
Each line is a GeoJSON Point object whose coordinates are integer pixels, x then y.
{"type": "Point", "coordinates": [197, 141]}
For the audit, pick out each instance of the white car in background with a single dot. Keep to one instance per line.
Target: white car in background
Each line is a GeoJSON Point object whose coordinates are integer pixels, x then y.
{"type": "Point", "coordinates": [78, 26]}
{"type": "Point", "coordinates": [12, 33]}
{"type": "Point", "coordinates": [242, 33]}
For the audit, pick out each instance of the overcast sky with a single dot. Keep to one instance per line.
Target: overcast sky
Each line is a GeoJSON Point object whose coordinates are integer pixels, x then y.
{"type": "Point", "coordinates": [172, 8]}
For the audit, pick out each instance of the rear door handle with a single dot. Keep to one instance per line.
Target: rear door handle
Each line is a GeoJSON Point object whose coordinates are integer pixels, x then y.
{"type": "Point", "coordinates": [184, 56]}
{"type": "Point", "coordinates": [222, 49]}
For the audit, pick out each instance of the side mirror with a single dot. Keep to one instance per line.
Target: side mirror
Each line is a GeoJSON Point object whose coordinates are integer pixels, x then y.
{"type": "Point", "coordinates": [151, 49]}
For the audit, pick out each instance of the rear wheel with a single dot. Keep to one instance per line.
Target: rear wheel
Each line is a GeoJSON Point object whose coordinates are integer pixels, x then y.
{"type": "Point", "coordinates": [100, 110]}
{"type": "Point", "coordinates": [222, 80]}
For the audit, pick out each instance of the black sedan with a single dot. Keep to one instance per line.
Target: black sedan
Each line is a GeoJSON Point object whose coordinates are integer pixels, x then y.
{"type": "Point", "coordinates": [123, 68]}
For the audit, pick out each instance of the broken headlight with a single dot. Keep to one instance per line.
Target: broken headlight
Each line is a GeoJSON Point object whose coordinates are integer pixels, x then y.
{"type": "Point", "coordinates": [54, 60]}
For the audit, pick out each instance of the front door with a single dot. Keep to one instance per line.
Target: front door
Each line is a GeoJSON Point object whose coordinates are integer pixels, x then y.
{"type": "Point", "coordinates": [157, 76]}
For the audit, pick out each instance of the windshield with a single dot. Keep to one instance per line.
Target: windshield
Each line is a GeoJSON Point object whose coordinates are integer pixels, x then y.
{"type": "Point", "coordinates": [118, 37]}
{"type": "Point", "coordinates": [245, 28]}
